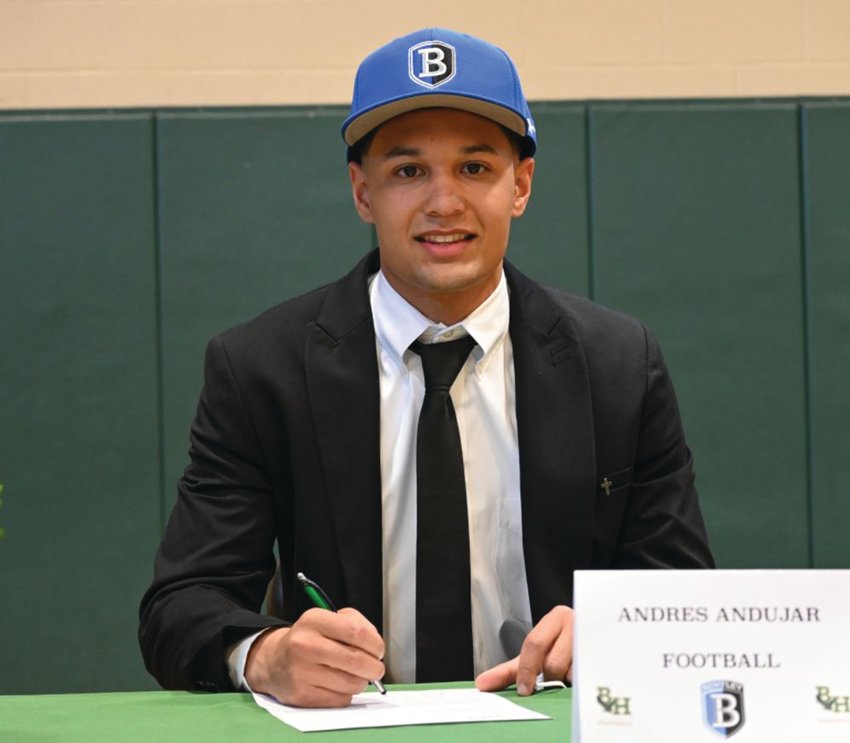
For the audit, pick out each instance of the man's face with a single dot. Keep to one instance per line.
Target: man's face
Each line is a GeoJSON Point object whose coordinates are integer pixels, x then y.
{"type": "Point", "coordinates": [441, 187]}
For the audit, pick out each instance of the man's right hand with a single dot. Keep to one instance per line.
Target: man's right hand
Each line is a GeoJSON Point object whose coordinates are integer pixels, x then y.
{"type": "Point", "coordinates": [320, 661]}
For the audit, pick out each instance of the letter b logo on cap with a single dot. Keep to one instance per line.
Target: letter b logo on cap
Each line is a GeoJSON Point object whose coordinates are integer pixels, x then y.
{"type": "Point", "coordinates": [431, 63]}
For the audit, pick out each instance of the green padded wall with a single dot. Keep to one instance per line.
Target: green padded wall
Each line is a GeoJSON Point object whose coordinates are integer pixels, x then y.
{"type": "Point", "coordinates": [550, 241]}
{"type": "Point", "coordinates": [254, 208]}
{"type": "Point", "coordinates": [128, 239]}
{"type": "Point", "coordinates": [78, 400]}
{"type": "Point", "coordinates": [827, 156]}
{"type": "Point", "coordinates": [697, 232]}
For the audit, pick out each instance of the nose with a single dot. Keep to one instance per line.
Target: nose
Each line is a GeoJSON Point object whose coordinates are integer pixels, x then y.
{"type": "Point", "coordinates": [444, 197]}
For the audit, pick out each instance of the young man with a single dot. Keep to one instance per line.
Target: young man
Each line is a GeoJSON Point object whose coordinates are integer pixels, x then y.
{"type": "Point", "coordinates": [446, 515]}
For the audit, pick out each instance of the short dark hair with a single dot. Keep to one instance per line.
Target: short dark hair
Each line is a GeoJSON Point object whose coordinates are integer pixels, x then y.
{"type": "Point", "coordinates": [361, 146]}
{"type": "Point", "coordinates": [521, 145]}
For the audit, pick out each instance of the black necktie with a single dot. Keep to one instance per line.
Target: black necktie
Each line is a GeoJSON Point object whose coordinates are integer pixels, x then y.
{"type": "Point", "coordinates": [443, 609]}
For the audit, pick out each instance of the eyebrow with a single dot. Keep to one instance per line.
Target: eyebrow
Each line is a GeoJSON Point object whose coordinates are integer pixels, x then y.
{"type": "Point", "coordinates": [483, 147]}
{"type": "Point", "coordinates": [400, 151]}
{"type": "Point", "coordinates": [472, 149]}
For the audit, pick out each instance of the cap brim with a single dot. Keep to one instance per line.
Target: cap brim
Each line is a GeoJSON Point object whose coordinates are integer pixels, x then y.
{"type": "Point", "coordinates": [373, 118]}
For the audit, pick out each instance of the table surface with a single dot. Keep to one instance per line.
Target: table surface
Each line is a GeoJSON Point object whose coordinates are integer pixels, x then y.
{"type": "Point", "coordinates": [186, 717]}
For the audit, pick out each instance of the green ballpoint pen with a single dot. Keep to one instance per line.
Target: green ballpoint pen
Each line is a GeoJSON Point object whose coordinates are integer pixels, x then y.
{"type": "Point", "coordinates": [322, 600]}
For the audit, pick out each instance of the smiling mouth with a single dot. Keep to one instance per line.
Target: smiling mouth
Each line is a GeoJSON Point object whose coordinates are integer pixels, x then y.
{"type": "Point", "coordinates": [454, 237]}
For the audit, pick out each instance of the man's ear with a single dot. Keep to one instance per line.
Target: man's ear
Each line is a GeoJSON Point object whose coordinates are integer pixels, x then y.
{"type": "Point", "coordinates": [523, 175]}
{"type": "Point", "coordinates": [360, 192]}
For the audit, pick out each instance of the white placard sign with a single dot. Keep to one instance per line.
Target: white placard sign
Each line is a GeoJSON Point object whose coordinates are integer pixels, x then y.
{"type": "Point", "coordinates": [684, 656]}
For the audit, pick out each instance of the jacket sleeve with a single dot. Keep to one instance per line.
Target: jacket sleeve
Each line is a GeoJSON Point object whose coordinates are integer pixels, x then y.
{"type": "Point", "coordinates": [216, 557]}
{"type": "Point", "coordinates": [662, 525]}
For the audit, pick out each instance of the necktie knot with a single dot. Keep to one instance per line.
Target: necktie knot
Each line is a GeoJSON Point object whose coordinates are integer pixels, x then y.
{"type": "Point", "coordinates": [441, 362]}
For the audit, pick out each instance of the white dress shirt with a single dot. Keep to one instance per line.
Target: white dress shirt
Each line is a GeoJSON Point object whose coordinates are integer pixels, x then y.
{"type": "Point", "coordinates": [483, 395]}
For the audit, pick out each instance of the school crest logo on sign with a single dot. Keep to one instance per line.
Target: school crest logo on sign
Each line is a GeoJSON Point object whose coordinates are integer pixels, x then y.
{"type": "Point", "coordinates": [723, 707]}
{"type": "Point", "coordinates": [431, 63]}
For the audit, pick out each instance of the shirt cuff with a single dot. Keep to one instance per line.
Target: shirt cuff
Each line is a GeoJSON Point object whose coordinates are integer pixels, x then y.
{"type": "Point", "coordinates": [236, 657]}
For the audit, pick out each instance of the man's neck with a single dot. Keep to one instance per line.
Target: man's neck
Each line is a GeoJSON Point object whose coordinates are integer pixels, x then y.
{"type": "Point", "coordinates": [447, 308]}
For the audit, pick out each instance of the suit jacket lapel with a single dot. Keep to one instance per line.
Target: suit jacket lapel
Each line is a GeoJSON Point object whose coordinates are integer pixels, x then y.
{"type": "Point", "coordinates": [343, 386]}
{"type": "Point", "coordinates": [556, 443]}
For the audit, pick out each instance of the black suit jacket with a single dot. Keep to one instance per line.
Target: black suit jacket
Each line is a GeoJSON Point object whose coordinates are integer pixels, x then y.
{"type": "Point", "coordinates": [284, 446]}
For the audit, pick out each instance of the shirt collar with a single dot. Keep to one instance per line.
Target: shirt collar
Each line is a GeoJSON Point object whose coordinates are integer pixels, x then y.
{"type": "Point", "coordinates": [398, 323]}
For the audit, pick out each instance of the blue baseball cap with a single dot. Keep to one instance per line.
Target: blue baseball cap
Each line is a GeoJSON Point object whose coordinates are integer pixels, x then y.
{"type": "Point", "coordinates": [438, 68]}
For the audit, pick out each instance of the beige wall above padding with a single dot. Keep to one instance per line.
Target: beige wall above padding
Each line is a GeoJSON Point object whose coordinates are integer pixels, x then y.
{"type": "Point", "coordinates": [124, 53]}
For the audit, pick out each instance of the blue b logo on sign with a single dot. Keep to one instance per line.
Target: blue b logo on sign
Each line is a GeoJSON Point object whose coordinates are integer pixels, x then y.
{"type": "Point", "coordinates": [431, 63]}
{"type": "Point", "coordinates": [723, 707]}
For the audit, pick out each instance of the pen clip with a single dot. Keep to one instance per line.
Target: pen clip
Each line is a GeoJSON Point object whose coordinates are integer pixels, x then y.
{"type": "Point", "coordinates": [315, 592]}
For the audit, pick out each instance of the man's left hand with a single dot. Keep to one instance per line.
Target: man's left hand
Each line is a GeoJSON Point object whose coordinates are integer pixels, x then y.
{"type": "Point", "coordinates": [547, 649]}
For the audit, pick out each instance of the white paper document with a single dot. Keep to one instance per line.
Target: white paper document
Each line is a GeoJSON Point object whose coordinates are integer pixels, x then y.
{"type": "Point", "coordinates": [678, 655]}
{"type": "Point", "coordinates": [427, 707]}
